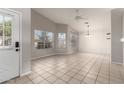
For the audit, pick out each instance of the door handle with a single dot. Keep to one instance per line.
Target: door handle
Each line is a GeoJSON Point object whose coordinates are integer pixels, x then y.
{"type": "Point", "coordinates": [17, 45]}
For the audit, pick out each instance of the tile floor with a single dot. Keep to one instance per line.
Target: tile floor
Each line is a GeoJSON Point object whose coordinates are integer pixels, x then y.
{"type": "Point", "coordinates": [80, 68]}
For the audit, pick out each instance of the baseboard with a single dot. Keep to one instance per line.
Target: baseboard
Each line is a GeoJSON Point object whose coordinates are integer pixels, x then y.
{"type": "Point", "coordinates": [25, 73]}
{"type": "Point", "coordinates": [43, 56]}
{"type": "Point", "coordinates": [117, 63]}
{"type": "Point", "coordinates": [95, 53]}
{"type": "Point", "coordinates": [59, 53]}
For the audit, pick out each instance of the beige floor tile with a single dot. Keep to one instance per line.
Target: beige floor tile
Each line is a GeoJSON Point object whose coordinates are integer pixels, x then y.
{"type": "Point", "coordinates": [59, 81]}
{"type": "Point", "coordinates": [46, 75]}
{"type": "Point", "coordinates": [10, 82]}
{"type": "Point", "coordinates": [37, 69]}
{"type": "Point", "coordinates": [99, 82]}
{"type": "Point", "coordinates": [37, 80]}
{"type": "Point", "coordinates": [53, 71]}
{"type": "Point", "coordinates": [22, 80]}
{"type": "Point", "coordinates": [78, 76]}
{"type": "Point", "coordinates": [44, 82]}
{"type": "Point", "coordinates": [103, 75]}
{"type": "Point", "coordinates": [115, 75]}
{"type": "Point", "coordinates": [93, 76]}
{"type": "Point", "coordinates": [93, 73]}
{"type": "Point", "coordinates": [82, 73]}
{"type": "Point", "coordinates": [70, 74]}
{"type": "Point", "coordinates": [41, 72]}
{"type": "Point", "coordinates": [32, 75]}
{"type": "Point", "coordinates": [116, 80]}
{"type": "Point", "coordinates": [102, 80]}
{"type": "Point", "coordinates": [74, 81]}
{"type": "Point", "coordinates": [59, 74]}
{"type": "Point", "coordinates": [82, 83]}
{"type": "Point", "coordinates": [104, 72]}
{"type": "Point", "coordinates": [52, 78]}
{"type": "Point", "coordinates": [73, 69]}
{"type": "Point", "coordinates": [65, 77]}
{"type": "Point", "coordinates": [29, 82]}
{"type": "Point", "coordinates": [89, 80]}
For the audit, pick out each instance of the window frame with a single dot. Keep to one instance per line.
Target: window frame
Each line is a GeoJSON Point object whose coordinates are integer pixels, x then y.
{"type": "Point", "coordinates": [44, 41]}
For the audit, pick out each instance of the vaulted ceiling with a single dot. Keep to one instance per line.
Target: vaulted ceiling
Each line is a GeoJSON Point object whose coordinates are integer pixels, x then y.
{"type": "Point", "coordinates": [98, 18]}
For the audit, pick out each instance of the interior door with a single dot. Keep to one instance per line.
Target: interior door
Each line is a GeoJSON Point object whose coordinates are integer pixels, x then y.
{"type": "Point", "coordinates": [9, 45]}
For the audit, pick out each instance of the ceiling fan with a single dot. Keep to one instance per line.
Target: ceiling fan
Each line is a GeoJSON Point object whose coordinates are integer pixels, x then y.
{"type": "Point", "coordinates": [78, 16]}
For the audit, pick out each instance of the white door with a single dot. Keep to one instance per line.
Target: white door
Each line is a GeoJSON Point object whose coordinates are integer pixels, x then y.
{"type": "Point", "coordinates": [9, 45]}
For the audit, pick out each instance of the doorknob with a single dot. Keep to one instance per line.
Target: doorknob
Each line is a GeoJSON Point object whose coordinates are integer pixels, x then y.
{"type": "Point", "coordinates": [17, 46]}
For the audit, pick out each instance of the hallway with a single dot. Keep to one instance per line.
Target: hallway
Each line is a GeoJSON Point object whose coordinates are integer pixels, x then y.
{"type": "Point", "coordinates": [80, 68]}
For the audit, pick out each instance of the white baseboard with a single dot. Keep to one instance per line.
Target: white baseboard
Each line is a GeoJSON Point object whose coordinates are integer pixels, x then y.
{"type": "Point", "coordinates": [25, 73]}
{"type": "Point", "coordinates": [59, 53]}
{"type": "Point", "coordinates": [43, 56]}
{"type": "Point", "coordinates": [95, 53]}
{"type": "Point", "coordinates": [117, 63]}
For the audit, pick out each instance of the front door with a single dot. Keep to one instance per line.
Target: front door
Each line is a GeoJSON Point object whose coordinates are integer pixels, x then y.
{"type": "Point", "coordinates": [9, 44]}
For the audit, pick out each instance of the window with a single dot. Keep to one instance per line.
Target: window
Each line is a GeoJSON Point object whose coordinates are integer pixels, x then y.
{"type": "Point", "coordinates": [5, 31]}
{"type": "Point", "coordinates": [39, 37]}
{"type": "Point", "coordinates": [61, 40]}
{"type": "Point", "coordinates": [49, 40]}
{"type": "Point", "coordinates": [43, 39]}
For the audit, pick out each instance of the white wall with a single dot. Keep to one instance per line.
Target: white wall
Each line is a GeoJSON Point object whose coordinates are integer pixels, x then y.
{"type": "Point", "coordinates": [26, 39]}
{"type": "Point", "coordinates": [69, 49]}
{"type": "Point", "coordinates": [72, 48]}
{"type": "Point", "coordinates": [117, 33]}
{"type": "Point", "coordinates": [97, 42]}
{"type": "Point", "coordinates": [40, 22]}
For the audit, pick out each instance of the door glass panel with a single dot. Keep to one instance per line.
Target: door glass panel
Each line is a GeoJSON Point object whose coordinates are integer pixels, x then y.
{"type": "Point", "coordinates": [1, 35]}
{"type": "Point", "coordinates": [5, 31]}
{"type": "Point", "coordinates": [1, 30]}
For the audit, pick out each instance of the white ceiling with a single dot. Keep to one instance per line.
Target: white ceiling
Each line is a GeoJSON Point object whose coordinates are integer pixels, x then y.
{"type": "Point", "coordinates": [98, 18]}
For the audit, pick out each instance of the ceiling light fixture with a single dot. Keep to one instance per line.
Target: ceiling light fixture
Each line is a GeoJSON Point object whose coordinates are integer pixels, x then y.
{"type": "Point", "coordinates": [88, 31]}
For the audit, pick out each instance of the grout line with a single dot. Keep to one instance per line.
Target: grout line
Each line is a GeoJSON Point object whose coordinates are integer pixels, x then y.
{"type": "Point", "coordinates": [109, 70]}
{"type": "Point", "coordinates": [99, 69]}
{"type": "Point", "coordinates": [75, 73]}
{"type": "Point", "coordinates": [85, 59]}
{"type": "Point", "coordinates": [30, 79]}
{"type": "Point", "coordinates": [87, 62]}
{"type": "Point", "coordinates": [90, 68]}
